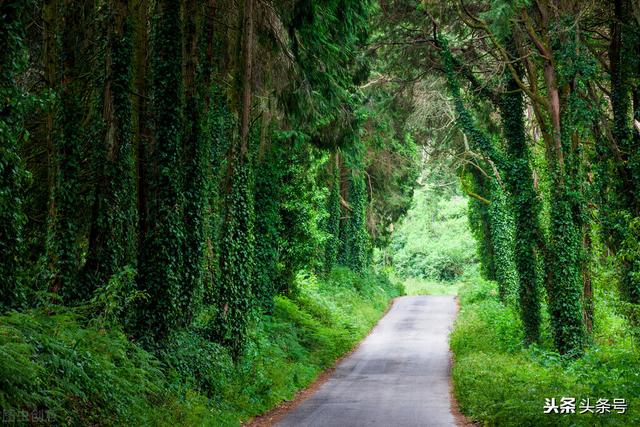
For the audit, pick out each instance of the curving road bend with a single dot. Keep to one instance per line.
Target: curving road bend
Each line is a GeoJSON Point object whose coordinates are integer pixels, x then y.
{"type": "Point", "coordinates": [398, 376]}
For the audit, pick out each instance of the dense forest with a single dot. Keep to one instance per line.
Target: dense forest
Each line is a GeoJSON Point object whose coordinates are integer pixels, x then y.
{"type": "Point", "coordinates": [203, 204]}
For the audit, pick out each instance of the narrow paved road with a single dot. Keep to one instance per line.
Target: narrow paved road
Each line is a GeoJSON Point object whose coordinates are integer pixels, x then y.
{"type": "Point", "coordinates": [398, 377]}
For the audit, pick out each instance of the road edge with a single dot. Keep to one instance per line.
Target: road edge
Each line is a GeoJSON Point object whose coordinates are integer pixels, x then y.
{"type": "Point", "coordinates": [460, 419]}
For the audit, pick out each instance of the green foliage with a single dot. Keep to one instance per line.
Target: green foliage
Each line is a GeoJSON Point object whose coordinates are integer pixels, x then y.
{"type": "Point", "coordinates": [237, 261]}
{"type": "Point", "coordinates": [12, 173]}
{"type": "Point", "coordinates": [500, 256]}
{"type": "Point", "coordinates": [502, 239]}
{"type": "Point", "coordinates": [291, 210]}
{"type": "Point", "coordinates": [113, 304]}
{"type": "Point", "coordinates": [477, 137]}
{"type": "Point", "coordinates": [480, 223]}
{"type": "Point", "coordinates": [332, 225]}
{"type": "Point", "coordinates": [526, 207]}
{"type": "Point", "coordinates": [83, 375]}
{"type": "Point", "coordinates": [113, 237]}
{"type": "Point", "coordinates": [286, 350]}
{"type": "Point", "coordinates": [195, 154]}
{"type": "Point", "coordinates": [618, 170]}
{"type": "Point", "coordinates": [302, 209]}
{"type": "Point", "coordinates": [354, 244]}
{"type": "Point", "coordinates": [568, 214]}
{"type": "Point", "coordinates": [220, 127]}
{"type": "Point", "coordinates": [357, 237]}
{"type": "Point", "coordinates": [69, 145]}
{"type": "Point", "coordinates": [433, 241]}
{"type": "Point", "coordinates": [417, 286]}
{"type": "Point", "coordinates": [565, 303]}
{"type": "Point", "coordinates": [268, 198]}
{"type": "Point", "coordinates": [325, 37]}
{"type": "Point", "coordinates": [629, 256]}
{"type": "Point", "coordinates": [392, 160]}
{"type": "Point", "coordinates": [162, 259]}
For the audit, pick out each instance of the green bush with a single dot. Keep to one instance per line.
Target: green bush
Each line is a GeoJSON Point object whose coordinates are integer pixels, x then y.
{"type": "Point", "coordinates": [82, 375]}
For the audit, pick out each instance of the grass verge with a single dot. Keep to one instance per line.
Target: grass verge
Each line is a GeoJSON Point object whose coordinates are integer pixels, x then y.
{"type": "Point", "coordinates": [418, 286]}
{"type": "Point", "coordinates": [497, 381]}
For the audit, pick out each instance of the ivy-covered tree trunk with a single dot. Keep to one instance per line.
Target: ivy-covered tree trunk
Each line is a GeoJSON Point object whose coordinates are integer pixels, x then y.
{"type": "Point", "coordinates": [353, 236]}
{"type": "Point", "coordinates": [12, 133]}
{"type": "Point", "coordinates": [268, 198]}
{"type": "Point", "coordinates": [237, 251]}
{"type": "Point", "coordinates": [519, 179]}
{"type": "Point", "coordinates": [113, 236]}
{"type": "Point", "coordinates": [237, 262]}
{"type": "Point", "coordinates": [502, 239]}
{"type": "Point", "coordinates": [221, 129]}
{"type": "Point", "coordinates": [345, 214]}
{"type": "Point", "coordinates": [624, 152]}
{"type": "Point", "coordinates": [357, 238]}
{"type": "Point", "coordinates": [565, 292]}
{"type": "Point", "coordinates": [67, 252]}
{"type": "Point", "coordinates": [195, 152]}
{"type": "Point", "coordinates": [480, 224]}
{"type": "Point", "coordinates": [499, 215]}
{"type": "Point", "coordinates": [162, 258]}
{"type": "Point", "coordinates": [333, 219]}
{"type": "Point", "coordinates": [141, 117]}
{"type": "Point", "coordinates": [565, 256]}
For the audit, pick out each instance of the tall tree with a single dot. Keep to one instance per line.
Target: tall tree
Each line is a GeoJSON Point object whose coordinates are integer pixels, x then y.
{"type": "Point", "coordinates": [113, 234]}
{"type": "Point", "coordinates": [623, 151]}
{"type": "Point", "coordinates": [238, 240]}
{"type": "Point", "coordinates": [195, 152]}
{"type": "Point", "coordinates": [162, 257]}
{"type": "Point", "coordinates": [69, 149]}
{"type": "Point", "coordinates": [334, 212]}
{"type": "Point", "coordinates": [13, 104]}
{"type": "Point", "coordinates": [519, 179]}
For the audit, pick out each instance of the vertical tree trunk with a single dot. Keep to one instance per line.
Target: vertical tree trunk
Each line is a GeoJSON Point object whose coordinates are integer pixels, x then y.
{"type": "Point", "coordinates": [113, 230]}
{"type": "Point", "coordinates": [247, 64]}
{"type": "Point", "coordinates": [69, 151]}
{"type": "Point", "coordinates": [587, 290]}
{"type": "Point", "coordinates": [519, 179]}
{"type": "Point", "coordinates": [162, 255]}
{"type": "Point", "coordinates": [50, 61]}
{"type": "Point", "coordinates": [566, 227]}
{"type": "Point", "coordinates": [12, 174]}
{"type": "Point", "coordinates": [237, 248]}
{"type": "Point", "coordinates": [195, 155]}
{"type": "Point", "coordinates": [140, 102]}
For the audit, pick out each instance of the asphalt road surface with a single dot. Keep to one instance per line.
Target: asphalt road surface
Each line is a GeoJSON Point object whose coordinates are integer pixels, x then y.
{"type": "Point", "coordinates": [398, 376]}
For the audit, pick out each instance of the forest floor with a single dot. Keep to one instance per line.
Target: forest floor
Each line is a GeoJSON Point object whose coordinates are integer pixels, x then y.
{"type": "Point", "coordinates": [399, 375]}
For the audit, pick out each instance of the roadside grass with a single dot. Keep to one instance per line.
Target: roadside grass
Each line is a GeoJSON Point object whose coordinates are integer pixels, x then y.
{"type": "Point", "coordinates": [426, 286]}
{"type": "Point", "coordinates": [85, 374]}
{"type": "Point", "coordinates": [418, 286]}
{"type": "Point", "coordinates": [500, 382]}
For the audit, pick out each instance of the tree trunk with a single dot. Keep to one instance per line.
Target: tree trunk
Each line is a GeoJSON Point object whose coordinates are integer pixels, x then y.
{"type": "Point", "coordinates": [247, 63]}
